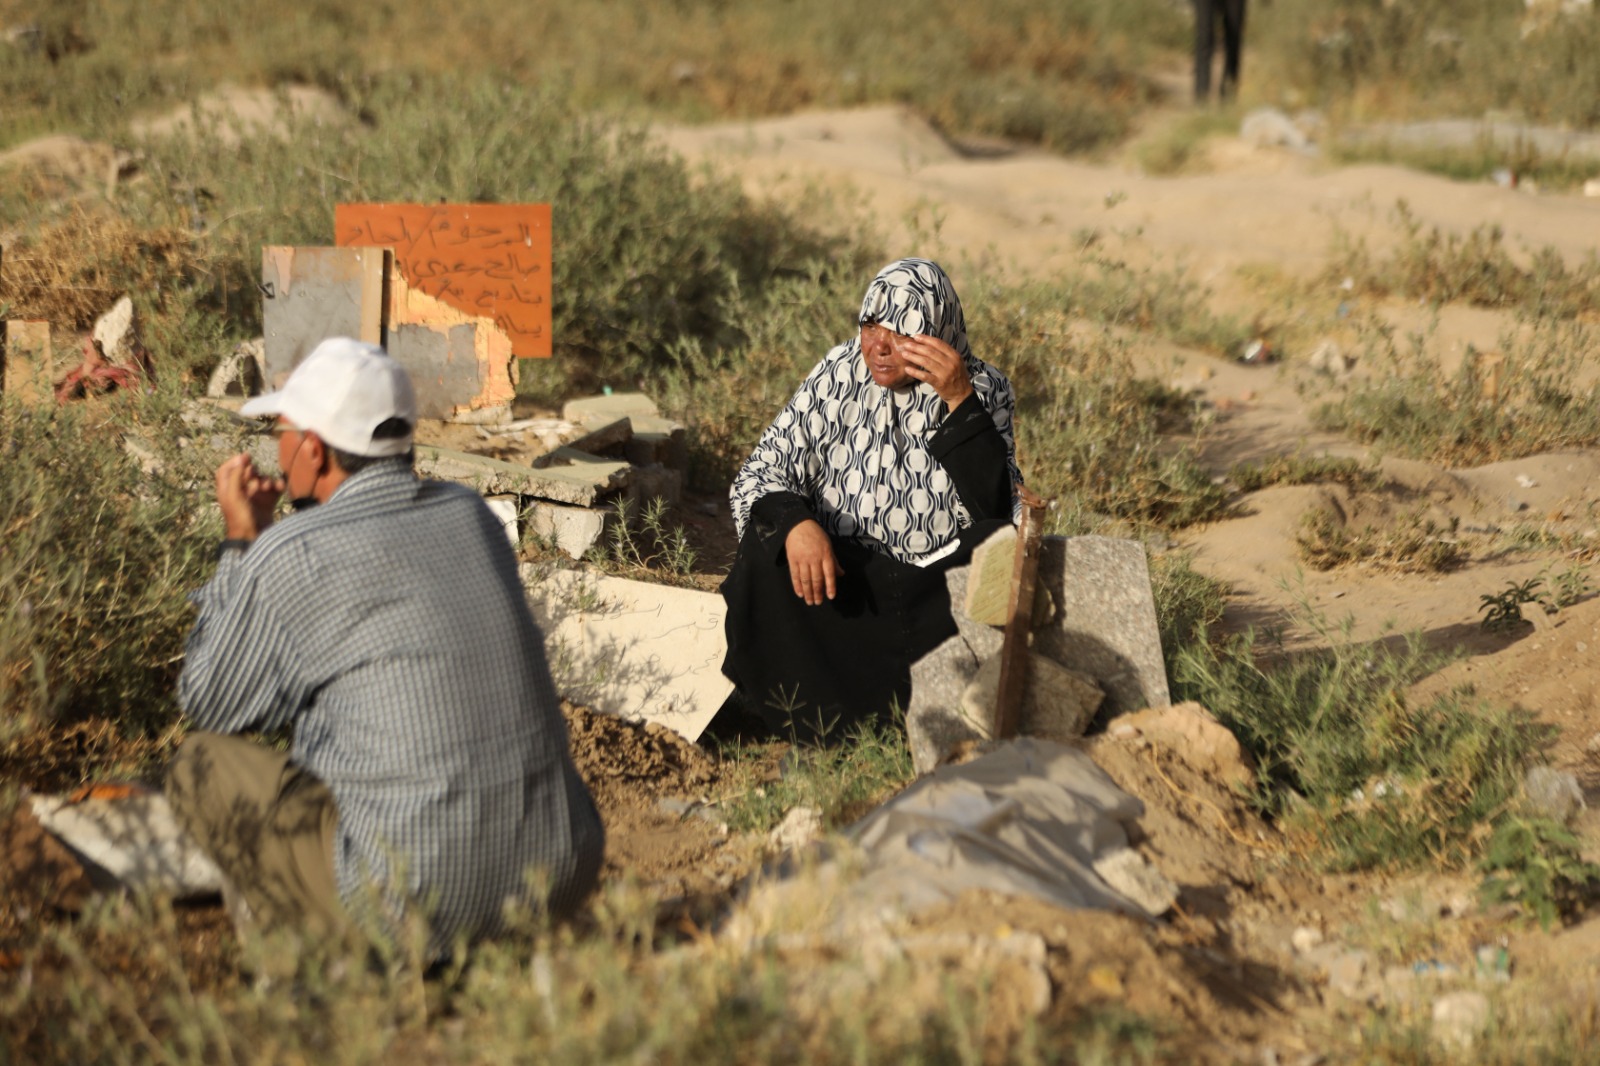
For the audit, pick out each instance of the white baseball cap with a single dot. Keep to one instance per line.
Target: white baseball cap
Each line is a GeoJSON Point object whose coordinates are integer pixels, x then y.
{"type": "Point", "coordinates": [341, 392]}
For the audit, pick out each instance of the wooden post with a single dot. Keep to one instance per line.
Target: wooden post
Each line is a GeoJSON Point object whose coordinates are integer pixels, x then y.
{"type": "Point", "coordinates": [1014, 649]}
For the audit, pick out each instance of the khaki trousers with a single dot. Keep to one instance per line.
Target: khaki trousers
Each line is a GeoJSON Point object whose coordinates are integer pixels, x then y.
{"type": "Point", "coordinates": [266, 823]}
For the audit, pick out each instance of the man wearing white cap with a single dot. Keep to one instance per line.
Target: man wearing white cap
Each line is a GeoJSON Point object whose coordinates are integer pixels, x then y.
{"type": "Point", "coordinates": [429, 773]}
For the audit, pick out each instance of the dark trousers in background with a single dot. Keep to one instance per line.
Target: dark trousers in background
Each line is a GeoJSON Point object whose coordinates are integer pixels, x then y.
{"type": "Point", "coordinates": [1206, 15]}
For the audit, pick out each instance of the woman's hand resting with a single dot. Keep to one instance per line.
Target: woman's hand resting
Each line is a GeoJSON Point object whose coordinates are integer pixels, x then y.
{"type": "Point", "coordinates": [813, 569]}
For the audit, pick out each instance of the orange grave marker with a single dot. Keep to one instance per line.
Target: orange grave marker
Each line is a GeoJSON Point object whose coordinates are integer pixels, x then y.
{"type": "Point", "coordinates": [485, 260]}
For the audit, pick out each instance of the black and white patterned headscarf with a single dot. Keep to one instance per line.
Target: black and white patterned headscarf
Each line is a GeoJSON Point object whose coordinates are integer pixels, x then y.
{"type": "Point", "coordinates": [859, 451]}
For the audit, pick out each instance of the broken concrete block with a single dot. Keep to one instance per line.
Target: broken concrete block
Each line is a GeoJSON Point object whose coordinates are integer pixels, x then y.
{"type": "Point", "coordinates": [134, 838]}
{"type": "Point", "coordinates": [1058, 704]}
{"type": "Point", "coordinates": [574, 530]}
{"type": "Point", "coordinates": [632, 648]}
{"type": "Point", "coordinates": [508, 509]}
{"type": "Point", "coordinates": [655, 482]}
{"type": "Point", "coordinates": [240, 373]}
{"type": "Point", "coordinates": [604, 436]}
{"type": "Point", "coordinates": [591, 409]}
{"type": "Point", "coordinates": [116, 335]}
{"type": "Point", "coordinates": [26, 362]}
{"type": "Point", "coordinates": [935, 724]}
{"type": "Point", "coordinates": [1105, 624]}
{"type": "Point", "coordinates": [984, 640]}
{"type": "Point", "coordinates": [311, 294]}
{"type": "Point", "coordinates": [569, 476]}
{"type": "Point", "coordinates": [658, 440]}
{"type": "Point", "coordinates": [1128, 872]}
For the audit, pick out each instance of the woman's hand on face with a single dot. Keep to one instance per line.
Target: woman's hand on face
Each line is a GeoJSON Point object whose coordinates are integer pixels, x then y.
{"type": "Point", "coordinates": [813, 569]}
{"type": "Point", "coordinates": [931, 360]}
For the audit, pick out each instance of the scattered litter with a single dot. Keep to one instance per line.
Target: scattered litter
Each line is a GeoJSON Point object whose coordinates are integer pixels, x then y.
{"type": "Point", "coordinates": [1493, 963]}
{"type": "Point", "coordinates": [1257, 353]}
{"type": "Point", "coordinates": [1526, 482]}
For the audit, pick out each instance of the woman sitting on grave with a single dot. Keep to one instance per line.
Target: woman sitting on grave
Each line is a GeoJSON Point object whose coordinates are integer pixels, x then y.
{"type": "Point", "coordinates": [893, 460]}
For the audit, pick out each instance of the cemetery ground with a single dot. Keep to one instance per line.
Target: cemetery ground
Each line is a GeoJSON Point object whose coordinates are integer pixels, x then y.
{"type": "Point", "coordinates": [1349, 411]}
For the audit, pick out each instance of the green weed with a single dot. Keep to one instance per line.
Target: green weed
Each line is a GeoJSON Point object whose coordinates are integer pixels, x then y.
{"type": "Point", "coordinates": [843, 781]}
{"type": "Point", "coordinates": [1187, 602]}
{"type": "Point", "coordinates": [1346, 758]}
{"type": "Point", "coordinates": [1528, 398]}
{"type": "Point", "coordinates": [1477, 269]}
{"type": "Point", "coordinates": [1502, 611]}
{"type": "Point", "coordinates": [1478, 162]}
{"type": "Point", "coordinates": [1429, 58]}
{"type": "Point", "coordinates": [1412, 544]}
{"type": "Point", "coordinates": [1567, 587]}
{"type": "Point", "coordinates": [1177, 146]}
{"type": "Point", "coordinates": [1536, 863]}
{"type": "Point", "coordinates": [644, 542]}
{"type": "Point", "coordinates": [99, 557]}
{"type": "Point", "coordinates": [1253, 476]}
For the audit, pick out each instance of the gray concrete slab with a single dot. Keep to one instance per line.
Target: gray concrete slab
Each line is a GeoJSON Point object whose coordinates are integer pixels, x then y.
{"type": "Point", "coordinates": [632, 648]}
{"type": "Point", "coordinates": [573, 477]}
{"type": "Point", "coordinates": [1105, 623]}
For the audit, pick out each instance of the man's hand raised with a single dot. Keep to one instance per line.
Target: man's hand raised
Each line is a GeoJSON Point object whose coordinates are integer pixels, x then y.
{"type": "Point", "coordinates": [247, 498]}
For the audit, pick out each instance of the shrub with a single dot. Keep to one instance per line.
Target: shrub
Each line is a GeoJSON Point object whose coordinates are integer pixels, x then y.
{"type": "Point", "coordinates": [99, 558]}
{"type": "Point", "coordinates": [1368, 777]}
{"type": "Point", "coordinates": [1529, 397]}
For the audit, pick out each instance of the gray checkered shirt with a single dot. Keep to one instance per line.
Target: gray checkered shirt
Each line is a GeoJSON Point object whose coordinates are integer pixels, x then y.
{"type": "Point", "coordinates": [389, 625]}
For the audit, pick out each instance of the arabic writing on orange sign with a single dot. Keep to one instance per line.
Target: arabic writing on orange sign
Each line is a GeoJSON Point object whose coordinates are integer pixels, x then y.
{"type": "Point", "coordinates": [491, 260]}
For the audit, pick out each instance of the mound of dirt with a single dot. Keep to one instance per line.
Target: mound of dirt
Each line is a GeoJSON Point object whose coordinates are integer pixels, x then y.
{"type": "Point", "coordinates": [665, 847]}
{"type": "Point", "coordinates": [231, 113]}
{"type": "Point", "coordinates": [62, 165]}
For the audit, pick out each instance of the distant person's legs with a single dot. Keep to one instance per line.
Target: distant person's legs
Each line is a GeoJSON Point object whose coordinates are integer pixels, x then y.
{"type": "Point", "coordinates": [1205, 18]}
{"type": "Point", "coordinates": [1232, 46]}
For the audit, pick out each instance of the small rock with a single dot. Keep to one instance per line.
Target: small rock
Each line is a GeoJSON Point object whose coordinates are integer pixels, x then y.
{"type": "Point", "coordinates": [1592, 187]}
{"type": "Point", "coordinates": [1347, 972]}
{"type": "Point", "coordinates": [1328, 358]}
{"type": "Point", "coordinates": [1128, 872]}
{"type": "Point", "coordinates": [1554, 794]}
{"type": "Point", "coordinates": [1267, 127]}
{"type": "Point", "coordinates": [1305, 939]}
{"type": "Point", "coordinates": [1460, 1018]}
{"type": "Point", "coordinates": [1593, 747]}
{"type": "Point", "coordinates": [799, 828]}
